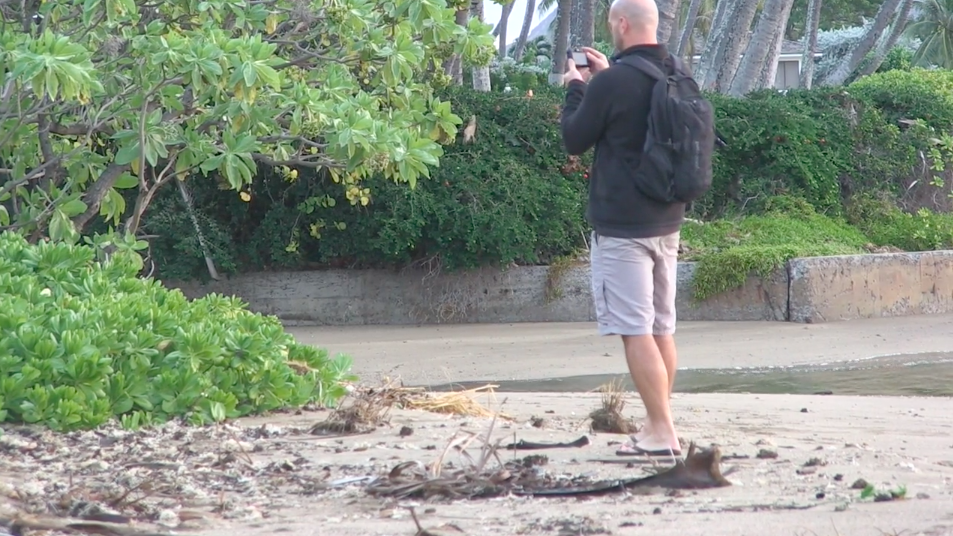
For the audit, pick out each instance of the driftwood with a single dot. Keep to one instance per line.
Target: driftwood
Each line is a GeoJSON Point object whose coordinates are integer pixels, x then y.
{"type": "Point", "coordinates": [19, 524]}
{"type": "Point", "coordinates": [529, 445]}
{"type": "Point", "coordinates": [699, 470]}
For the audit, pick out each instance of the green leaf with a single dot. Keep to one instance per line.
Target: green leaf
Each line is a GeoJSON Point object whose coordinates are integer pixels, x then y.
{"type": "Point", "coordinates": [4, 221]}
{"type": "Point", "coordinates": [128, 153]}
{"type": "Point", "coordinates": [73, 207]}
{"type": "Point", "coordinates": [125, 181]}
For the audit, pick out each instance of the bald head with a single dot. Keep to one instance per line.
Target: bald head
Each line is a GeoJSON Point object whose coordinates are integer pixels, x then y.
{"type": "Point", "coordinates": [633, 22]}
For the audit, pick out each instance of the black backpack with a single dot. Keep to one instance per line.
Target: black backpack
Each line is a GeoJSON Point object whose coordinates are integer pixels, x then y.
{"type": "Point", "coordinates": [676, 161]}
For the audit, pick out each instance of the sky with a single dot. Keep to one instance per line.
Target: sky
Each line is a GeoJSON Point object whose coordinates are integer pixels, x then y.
{"type": "Point", "coordinates": [492, 12]}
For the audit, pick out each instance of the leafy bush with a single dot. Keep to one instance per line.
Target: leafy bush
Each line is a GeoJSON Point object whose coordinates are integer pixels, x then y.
{"type": "Point", "coordinates": [512, 195]}
{"type": "Point", "coordinates": [915, 94]}
{"type": "Point", "coordinates": [728, 250]}
{"type": "Point", "coordinates": [83, 340]}
{"type": "Point", "coordinates": [810, 144]}
{"type": "Point", "coordinates": [886, 225]}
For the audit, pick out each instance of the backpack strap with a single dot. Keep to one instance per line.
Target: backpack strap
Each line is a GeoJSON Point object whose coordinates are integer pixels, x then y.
{"type": "Point", "coordinates": [645, 66]}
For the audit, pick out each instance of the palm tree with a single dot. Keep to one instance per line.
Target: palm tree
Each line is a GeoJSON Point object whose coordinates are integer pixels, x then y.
{"type": "Point", "coordinates": [481, 74]}
{"type": "Point", "coordinates": [524, 31]}
{"type": "Point", "coordinates": [933, 24]}
{"type": "Point", "coordinates": [501, 28]}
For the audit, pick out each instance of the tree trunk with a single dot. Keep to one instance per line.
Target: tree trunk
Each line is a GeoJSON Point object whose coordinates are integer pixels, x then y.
{"type": "Point", "coordinates": [561, 41]}
{"type": "Point", "coordinates": [727, 40]}
{"type": "Point", "coordinates": [896, 31]}
{"type": "Point", "coordinates": [501, 28]}
{"type": "Point", "coordinates": [688, 27]}
{"type": "Point", "coordinates": [810, 43]}
{"type": "Point", "coordinates": [667, 18]}
{"type": "Point", "coordinates": [840, 73]}
{"type": "Point", "coordinates": [481, 74]}
{"type": "Point", "coordinates": [769, 69]}
{"type": "Point", "coordinates": [454, 66]}
{"type": "Point", "coordinates": [524, 31]}
{"type": "Point", "coordinates": [582, 23]}
{"type": "Point", "coordinates": [768, 34]}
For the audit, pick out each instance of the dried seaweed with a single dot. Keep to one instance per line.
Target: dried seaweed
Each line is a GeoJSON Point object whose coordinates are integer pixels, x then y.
{"type": "Point", "coordinates": [608, 418]}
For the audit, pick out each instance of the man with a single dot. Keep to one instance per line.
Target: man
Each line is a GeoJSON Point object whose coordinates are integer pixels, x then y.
{"type": "Point", "coordinates": [634, 250]}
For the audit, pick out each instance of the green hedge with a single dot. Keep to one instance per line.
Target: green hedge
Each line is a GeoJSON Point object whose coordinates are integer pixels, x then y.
{"type": "Point", "coordinates": [513, 196]}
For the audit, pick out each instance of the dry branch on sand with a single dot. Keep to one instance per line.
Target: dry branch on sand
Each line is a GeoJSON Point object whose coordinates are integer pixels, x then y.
{"type": "Point", "coordinates": [367, 408]}
{"type": "Point", "coordinates": [608, 418]}
{"type": "Point", "coordinates": [477, 479]}
{"type": "Point", "coordinates": [22, 524]}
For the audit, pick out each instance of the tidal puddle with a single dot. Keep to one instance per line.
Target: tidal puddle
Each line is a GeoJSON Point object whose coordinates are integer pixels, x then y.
{"type": "Point", "coordinates": [902, 375]}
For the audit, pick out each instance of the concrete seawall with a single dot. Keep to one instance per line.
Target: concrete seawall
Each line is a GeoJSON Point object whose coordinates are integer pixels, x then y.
{"type": "Point", "coordinates": [819, 289]}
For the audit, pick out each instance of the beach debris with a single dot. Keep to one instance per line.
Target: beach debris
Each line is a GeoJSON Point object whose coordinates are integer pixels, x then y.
{"type": "Point", "coordinates": [608, 418]}
{"type": "Point", "coordinates": [20, 523]}
{"type": "Point", "coordinates": [537, 422]}
{"type": "Point", "coordinates": [883, 496]}
{"type": "Point", "coordinates": [529, 445]}
{"type": "Point", "coordinates": [405, 431]}
{"type": "Point", "coordinates": [860, 483]}
{"type": "Point", "coordinates": [476, 479]}
{"type": "Point", "coordinates": [364, 409]}
{"type": "Point", "coordinates": [767, 454]}
{"type": "Point", "coordinates": [446, 529]}
{"type": "Point", "coordinates": [367, 408]}
{"type": "Point", "coordinates": [462, 403]}
{"type": "Point", "coordinates": [699, 470]}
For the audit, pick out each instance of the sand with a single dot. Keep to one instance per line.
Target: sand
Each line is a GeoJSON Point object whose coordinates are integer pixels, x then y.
{"type": "Point", "coordinates": [441, 354]}
{"type": "Point", "coordinates": [891, 442]}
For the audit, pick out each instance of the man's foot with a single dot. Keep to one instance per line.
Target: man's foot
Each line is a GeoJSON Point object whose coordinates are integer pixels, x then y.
{"type": "Point", "coordinates": [629, 449]}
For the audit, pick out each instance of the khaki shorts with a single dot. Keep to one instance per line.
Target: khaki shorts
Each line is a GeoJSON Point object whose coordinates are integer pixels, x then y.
{"type": "Point", "coordinates": [633, 284]}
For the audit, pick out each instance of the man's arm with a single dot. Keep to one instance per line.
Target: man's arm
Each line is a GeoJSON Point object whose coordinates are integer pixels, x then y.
{"type": "Point", "coordinates": [585, 113]}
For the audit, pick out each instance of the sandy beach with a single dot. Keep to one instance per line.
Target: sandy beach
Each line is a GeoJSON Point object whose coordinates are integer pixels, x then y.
{"type": "Point", "coordinates": [793, 461]}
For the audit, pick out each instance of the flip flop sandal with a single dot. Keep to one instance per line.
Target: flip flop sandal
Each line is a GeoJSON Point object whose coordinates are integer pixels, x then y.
{"type": "Point", "coordinates": [629, 449]}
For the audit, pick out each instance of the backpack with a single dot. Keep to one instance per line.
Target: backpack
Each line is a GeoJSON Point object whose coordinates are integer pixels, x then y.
{"type": "Point", "coordinates": [676, 165]}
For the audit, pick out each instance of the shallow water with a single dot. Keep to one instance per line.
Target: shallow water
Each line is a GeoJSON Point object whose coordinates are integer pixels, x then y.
{"type": "Point", "coordinates": [902, 375]}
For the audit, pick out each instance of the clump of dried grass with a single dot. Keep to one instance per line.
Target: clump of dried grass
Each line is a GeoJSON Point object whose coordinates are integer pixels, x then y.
{"type": "Point", "coordinates": [608, 418]}
{"type": "Point", "coordinates": [367, 408]}
{"type": "Point", "coordinates": [455, 403]}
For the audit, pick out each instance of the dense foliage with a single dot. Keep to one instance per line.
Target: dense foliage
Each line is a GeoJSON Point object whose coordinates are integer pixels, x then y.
{"type": "Point", "coordinates": [872, 155]}
{"type": "Point", "coordinates": [83, 340]}
{"type": "Point", "coordinates": [105, 95]}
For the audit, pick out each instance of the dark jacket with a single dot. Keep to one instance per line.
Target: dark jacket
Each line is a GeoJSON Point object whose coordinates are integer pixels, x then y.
{"type": "Point", "coordinates": [611, 113]}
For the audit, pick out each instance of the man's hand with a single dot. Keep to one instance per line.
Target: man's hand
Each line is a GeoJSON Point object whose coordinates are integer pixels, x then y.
{"type": "Point", "coordinates": [572, 73]}
{"type": "Point", "coordinates": [597, 60]}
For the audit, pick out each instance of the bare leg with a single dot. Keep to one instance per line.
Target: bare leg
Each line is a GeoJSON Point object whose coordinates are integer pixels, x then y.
{"type": "Point", "coordinates": [651, 379]}
{"type": "Point", "coordinates": [666, 345]}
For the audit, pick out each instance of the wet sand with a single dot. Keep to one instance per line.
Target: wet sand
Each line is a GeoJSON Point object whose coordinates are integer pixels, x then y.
{"type": "Point", "coordinates": [433, 355]}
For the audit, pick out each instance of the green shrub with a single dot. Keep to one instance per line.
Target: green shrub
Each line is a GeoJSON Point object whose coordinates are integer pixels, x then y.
{"type": "Point", "coordinates": [915, 94]}
{"type": "Point", "coordinates": [84, 340]}
{"type": "Point", "coordinates": [512, 195]}
{"type": "Point", "coordinates": [727, 251]}
{"type": "Point", "coordinates": [886, 225]}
